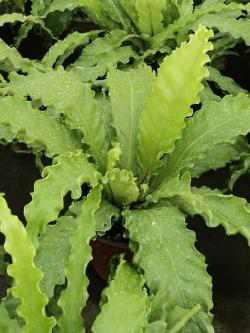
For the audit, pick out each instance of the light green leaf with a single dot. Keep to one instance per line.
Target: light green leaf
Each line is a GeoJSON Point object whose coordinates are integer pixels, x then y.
{"type": "Point", "coordinates": [35, 128]}
{"type": "Point", "coordinates": [167, 247]}
{"type": "Point", "coordinates": [7, 325]}
{"type": "Point", "coordinates": [186, 7]}
{"type": "Point", "coordinates": [180, 317]}
{"type": "Point", "coordinates": [126, 303]}
{"type": "Point", "coordinates": [103, 55]}
{"type": "Point", "coordinates": [64, 48]}
{"type": "Point", "coordinates": [68, 173]}
{"type": "Point", "coordinates": [39, 6]}
{"type": "Point", "coordinates": [114, 155]}
{"type": "Point", "coordinates": [216, 123]}
{"type": "Point", "coordinates": [129, 8]}
{"type": "Point", "coordinates": [122, 185]}
{"type": "Point", "coordinates": [60, 90]}
{"type": "Point", "coordinates": [52, 253]}
{"type": "Point", "coordinates": [114, 10]}
{"type": "Point", "coordinates": [150, 15]}
{"type": "Point", "coordinates": [75, 296]}
{"type": "Point", "coordinates": [175, 89]}
{"type": "Point", "coordinates": [25, 274]}
{"type": "Point", "coordinates": [128, 91]}
{"type": "Point", "coordinates": [104, 216]}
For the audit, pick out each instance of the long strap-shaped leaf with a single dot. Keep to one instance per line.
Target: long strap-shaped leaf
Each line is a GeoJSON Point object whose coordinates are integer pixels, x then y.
{"type": "Point", "coordinates": [61, 89]}
{"type": "Point", "coordinates": [67, 174]}
{"type": "Point", "coordinates": [216, 123]}
{"type": "Point", "coordinates": [126, 303]}
{"type": "Point", "coordinates": [17, 17]}
{"type": "Point", "coordinates": [226, 23]}
{"type": "Point", "coordinates": [175, 89]}
{"type": "Point", "coordinates": [229, 211]}
{"type": "Point", "coordinates": [102, 55]}
{"type": "Point", "coordinates": [75, 296]}
{"type": "Point", "coordinates": [128, 91]}
{"type": "Point", "coordinates": [24, 272]}
{"type": "Point", "coordinates": [53, 252]}
{"type": "Point", "coordinates": [37, 129]}
{"type": "Point", "coordinates": [93, 8]}
{"type": "Point", "coordinates": [150, 15]}
{"type": "Point", "coordinates": [183, 25]}
{"type": "Point", "coordinates": [64, 48]}
{"type": "Point", "coordinates": [174, 271]}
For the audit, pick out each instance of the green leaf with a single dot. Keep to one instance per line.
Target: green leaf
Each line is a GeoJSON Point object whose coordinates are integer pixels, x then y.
{"type": "Point", "coordinates": [75, 296]}
{"type": "Point", "coordinates": [60, 90]}
{"type": "Point", "coordinates": [167, 247]}
{"type": "Point", "coordinates": [11, 60]}
{"type": "Point", "coordinates": [24, 272]}
{"type": "Point", "coordinates": [229, 211]}
{"type": "Point", "coordinates": [93, 8]}
{"type": "Point", "coordinates": [128, 91]}
{"type": "Point", "coordinates": [68, 173]}
{"type": "Point", "coordinates": [150, 15]}
{"type": "Point", "coordinates": [53, 252]}
{"type": "Point", "coordinates": [12, 18]}
{"type": "Point", "coordinates": [126, 303]}
{"type": "Point", "coordinates": [220, 156]}
{"type": "Point", "coordinates": [225, 83]}
{"type": "Point", "coordinates": [239, 170]}
{"type": "Point", "coordinates": [17, 17]}
{"type": "Point", "coordinates": [7, 325]}
{"type": "Point", "coordinates": [237, 28]}
{"type": "Point", "coordinates": [180, 28]}
{"type": "Point", "coordinates": [23, 33]}
{"type": "Point", "coordinates": [216, 123]}
{"type": "Point", "coordinates": [35, 128]}
{"type": "Point", "coordinates": [102, 55]}
{"type": "Point", "coordinates": [175, 89]}
{"type": "Point", "coordinates": [60, 51]}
